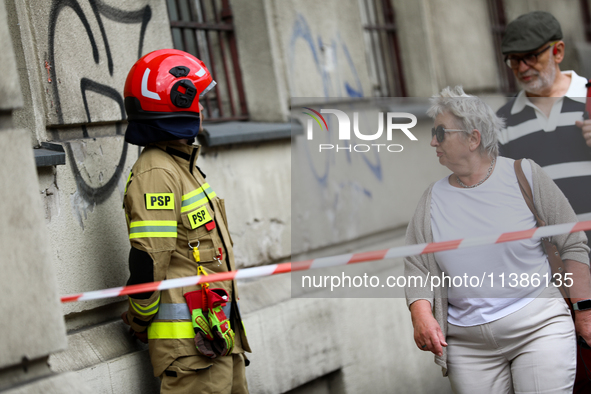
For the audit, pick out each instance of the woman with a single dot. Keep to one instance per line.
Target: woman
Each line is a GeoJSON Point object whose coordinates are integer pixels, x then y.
{"type": "Point", "coordinates": [496, 338]}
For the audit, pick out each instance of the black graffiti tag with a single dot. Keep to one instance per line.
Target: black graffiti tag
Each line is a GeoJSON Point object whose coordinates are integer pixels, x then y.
{"type": "Point", "coordinates": [99, 9]}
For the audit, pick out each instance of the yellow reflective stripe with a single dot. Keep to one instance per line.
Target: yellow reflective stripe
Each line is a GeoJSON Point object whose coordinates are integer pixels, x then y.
{"type": "Point", "coordinates": [197, 197]}
{"type": "Point", "coordinates": [193, 200]}
{"type": "Point", "coordinates": [193, 193]}
{"type": "Point", "coordinates": [145, 310]}
{"type": "Point", "coordinates": [194, 205]}
{"type": "Point", "coordinates": [127, 181]}
{"type": "Point", "coordinates": [153, 229]}
{"type": "Point", "coordinates": [208, 190]}
{"type": "Point", "coordinates": [171, 330]}
{"type": "Point", "coordinates": [126, 184]}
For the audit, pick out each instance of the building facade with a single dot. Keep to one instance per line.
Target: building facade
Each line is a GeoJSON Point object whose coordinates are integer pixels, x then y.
{"type": "Point", "coordinates": [61, 107]}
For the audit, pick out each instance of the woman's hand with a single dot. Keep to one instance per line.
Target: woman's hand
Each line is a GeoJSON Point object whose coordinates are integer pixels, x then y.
{"type": "Point", "coordinates": [427, 332]}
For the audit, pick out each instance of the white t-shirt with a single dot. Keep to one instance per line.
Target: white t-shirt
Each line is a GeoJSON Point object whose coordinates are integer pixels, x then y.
{"type": "Point", "coordinates": [497, 206]}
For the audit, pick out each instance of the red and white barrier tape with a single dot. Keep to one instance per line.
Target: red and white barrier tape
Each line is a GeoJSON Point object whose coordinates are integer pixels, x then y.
{"type": "Point", "coordinates": [323, 262]}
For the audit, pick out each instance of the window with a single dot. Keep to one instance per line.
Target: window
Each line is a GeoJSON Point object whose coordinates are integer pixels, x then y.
{"type": "Point", "coordinates": [586, 19]}
{"type": "Point", "coordinates": [205, 29]}
{"type": "Point", "coordinates": [498, 23]}
{"type": "Point", "coordinates": [381, 40]}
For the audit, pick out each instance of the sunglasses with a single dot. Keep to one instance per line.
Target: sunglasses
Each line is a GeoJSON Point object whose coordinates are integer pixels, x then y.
{"type": "Point", "coordinates": [440, 131]}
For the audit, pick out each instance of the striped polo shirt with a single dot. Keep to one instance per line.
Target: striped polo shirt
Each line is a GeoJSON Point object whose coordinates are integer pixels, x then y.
{"type": "Point", "coordinates": [554, 142]}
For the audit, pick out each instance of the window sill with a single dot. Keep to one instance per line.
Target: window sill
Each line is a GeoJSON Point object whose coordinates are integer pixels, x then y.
{"type": "Point", "coordinates": [246, 132]}
{"type": "Point", "coordinates": [49, 154]}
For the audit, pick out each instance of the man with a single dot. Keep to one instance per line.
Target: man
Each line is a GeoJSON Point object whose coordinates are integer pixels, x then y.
{"type": "Point", "coordinates": [178, 228]}
{"type": "Point", "coordinates": [545, 123]}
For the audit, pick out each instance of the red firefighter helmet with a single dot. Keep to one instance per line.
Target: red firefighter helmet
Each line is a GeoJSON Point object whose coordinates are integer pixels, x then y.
{"type": "Point", "coordinates": [164, 84]}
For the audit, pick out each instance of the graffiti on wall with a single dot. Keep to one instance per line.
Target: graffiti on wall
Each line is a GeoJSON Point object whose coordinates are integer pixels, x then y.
{"type": "Point", "coordinates": [325, 166]}
{"type": "Point", "coordinates": [99, 9]}
{"type": "Point", "coordinates": [93, 194]}
{"type": "Point", "coordinates": [336, 70]}
{"type": "Point", "coordinates": [327, 55]}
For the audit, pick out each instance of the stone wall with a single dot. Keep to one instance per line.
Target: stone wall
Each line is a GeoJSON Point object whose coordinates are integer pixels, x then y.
{"type": "Point", "coordinates": [63, 231]}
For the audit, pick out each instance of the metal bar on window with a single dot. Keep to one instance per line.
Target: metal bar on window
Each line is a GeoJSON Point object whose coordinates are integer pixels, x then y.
{"type": "Point", "coordinates": [393, 36]}
{"type": "Point", "coordinates": [586, 19]}
{"type": "Point", "coordinates": [227, 74]}
{"type": "Point", "coordinates": [215, 10]}
{"type": "Point", "coordinates": [373, 66]}
{"type": "Point", "coordinates": [212, 62]}
{"type": "Point", "coordinates": [377, 52]}
{"type": "Point", "coordinates": [194, 15]}
{"type": "Point", "coordinates": [384, 58]}
{"type": "Point", "coordinates": [225, 63]}
{"type": "Point", "coordinates": [173, 16]}
{"type": "Point", "coordinates": [498, 25]}
{"type": "Point", "coordinates": [385, 48]}
{"type": "Point", "coordinates": [203, 56]}
{"type": "Point", "coordinates": [179, 17]}
{"type": "Point", "coordinates": [205, 29]}
{"type": "Point", "coordinates": [228, 17]}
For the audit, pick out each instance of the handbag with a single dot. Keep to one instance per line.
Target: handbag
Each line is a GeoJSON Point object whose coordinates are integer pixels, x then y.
{"type": "Point", "coordinates": [556, 264]}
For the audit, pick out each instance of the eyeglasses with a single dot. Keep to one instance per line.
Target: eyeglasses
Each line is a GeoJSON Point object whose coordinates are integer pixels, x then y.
{"type": "Point", "coordinates": [440, 131]}
{"type": "Point", "coordinates": [529, 60]}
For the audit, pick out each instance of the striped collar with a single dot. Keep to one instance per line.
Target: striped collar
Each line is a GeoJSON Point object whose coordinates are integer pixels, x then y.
{"type": "Point", "coordinates": [576, 91]}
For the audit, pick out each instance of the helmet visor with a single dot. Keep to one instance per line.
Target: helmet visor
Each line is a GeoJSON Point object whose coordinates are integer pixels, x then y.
{"type": "Point", "coordinates": [208, 88]}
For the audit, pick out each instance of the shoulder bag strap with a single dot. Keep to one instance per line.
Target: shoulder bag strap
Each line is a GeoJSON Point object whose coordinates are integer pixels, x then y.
{"type": "Point", "coordinates": [556, 264]}
{"type": "Point", "coordinates": [526, 191]}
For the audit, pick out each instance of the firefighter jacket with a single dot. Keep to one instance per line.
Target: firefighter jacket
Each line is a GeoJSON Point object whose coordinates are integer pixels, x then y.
{"type": "Point", "coordinates": [170, 208]}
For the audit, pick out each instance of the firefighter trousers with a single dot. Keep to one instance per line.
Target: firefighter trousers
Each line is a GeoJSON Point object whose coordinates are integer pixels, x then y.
{"type": "Point", "coordinates": [225, 376]}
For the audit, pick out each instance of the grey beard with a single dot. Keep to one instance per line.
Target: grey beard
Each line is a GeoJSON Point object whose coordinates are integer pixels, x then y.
{"type": "Point", "coordinates": [545, 79]}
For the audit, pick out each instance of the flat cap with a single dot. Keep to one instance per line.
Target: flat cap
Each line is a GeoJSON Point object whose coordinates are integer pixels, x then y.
{"type": "Point", "coordinates": [529, 32]}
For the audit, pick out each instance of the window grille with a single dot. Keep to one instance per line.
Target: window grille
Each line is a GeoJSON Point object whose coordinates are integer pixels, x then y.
{"type": "Point", "coordinates": [498, 22]}
{"type": "Point", "coordinates": [383, 49]}
{"type": "Point", "coordinates": [586, 13]}
{"type": "Point", "coordinates": [205, 29]}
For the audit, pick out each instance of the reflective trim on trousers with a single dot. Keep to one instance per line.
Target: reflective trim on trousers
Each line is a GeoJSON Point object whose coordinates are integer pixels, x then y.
{"type": "Point", "coordinates": [173, 312]}
{"type": "Point", "coordinates": [181, 312]}
{"type": "Point", "coordinates": [171, 330]}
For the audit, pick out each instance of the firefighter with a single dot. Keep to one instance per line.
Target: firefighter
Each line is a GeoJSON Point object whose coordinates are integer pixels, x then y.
{"type": "Point", "coordinates": [177, 228]}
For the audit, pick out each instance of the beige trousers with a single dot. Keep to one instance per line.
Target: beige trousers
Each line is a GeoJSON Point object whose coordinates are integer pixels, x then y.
{"type": "Point", "coordinates": [532, 350]}
{"type": "Point", "coordinates": [225, 376]}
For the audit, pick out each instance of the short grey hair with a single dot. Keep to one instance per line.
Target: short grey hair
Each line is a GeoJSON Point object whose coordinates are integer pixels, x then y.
{"type": "Point", "coordinates": [471, 113]}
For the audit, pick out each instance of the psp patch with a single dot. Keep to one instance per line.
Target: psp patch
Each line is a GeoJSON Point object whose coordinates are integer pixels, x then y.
{"type": "Point", "coordinates": [199, 217]}
{"type": "Point", "coordinates": [159, 200]}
